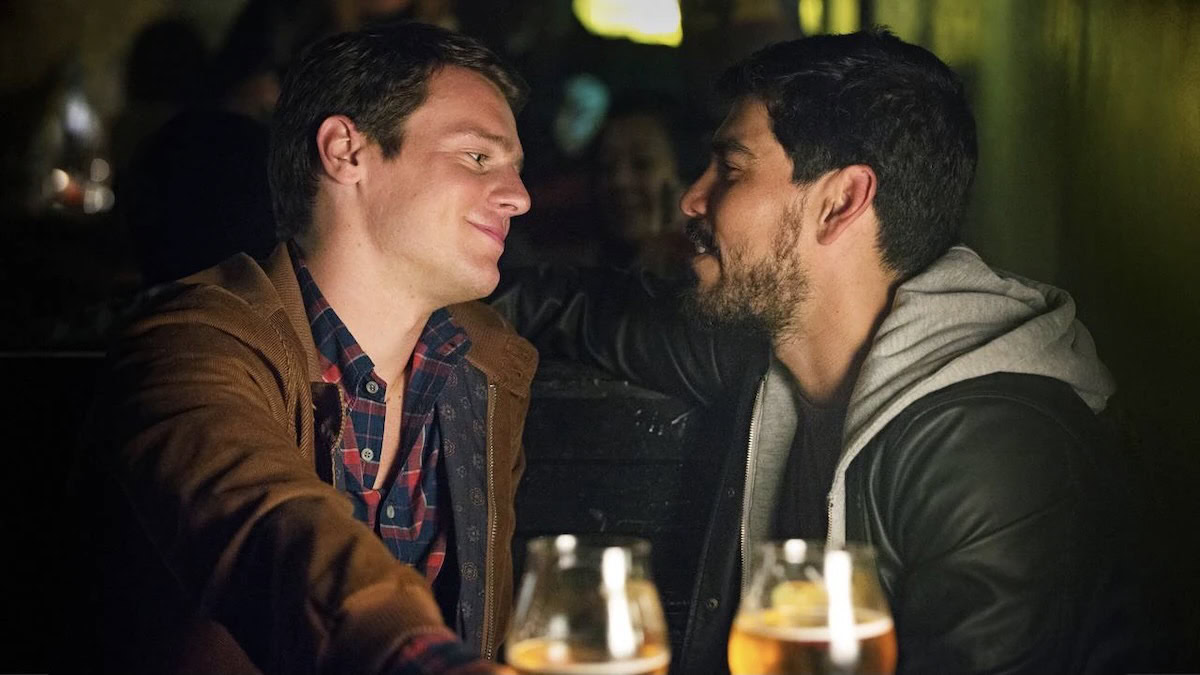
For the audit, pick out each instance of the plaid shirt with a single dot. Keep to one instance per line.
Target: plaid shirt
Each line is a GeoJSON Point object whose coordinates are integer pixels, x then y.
{"type": "Point", "coordinates": [405, 513]}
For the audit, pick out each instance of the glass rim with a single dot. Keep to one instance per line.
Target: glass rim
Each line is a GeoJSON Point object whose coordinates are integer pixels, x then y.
{"type": "Point", "coordinates": [587, 543]}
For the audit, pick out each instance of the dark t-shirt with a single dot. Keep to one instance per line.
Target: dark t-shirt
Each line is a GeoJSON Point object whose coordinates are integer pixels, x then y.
{"type": "Point", "coordinates": [801, 512]}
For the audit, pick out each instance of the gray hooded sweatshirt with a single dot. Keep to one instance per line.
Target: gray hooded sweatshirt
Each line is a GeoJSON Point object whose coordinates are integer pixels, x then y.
{"type": "Point", "coordinates": [957, 320]}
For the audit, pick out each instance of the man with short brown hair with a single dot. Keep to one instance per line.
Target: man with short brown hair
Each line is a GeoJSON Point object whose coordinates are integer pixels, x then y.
{"type": "Point", "coordinates": [310, 460]}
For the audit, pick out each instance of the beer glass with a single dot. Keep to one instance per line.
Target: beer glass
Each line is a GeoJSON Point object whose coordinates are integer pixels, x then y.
{"type": "Point", "coordinates": [810, 609]}
{"type": "Point", "coordinates": [587, 605]}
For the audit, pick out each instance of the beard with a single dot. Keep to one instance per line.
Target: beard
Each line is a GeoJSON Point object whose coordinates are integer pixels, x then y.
{"type": "Point", "coordinates": [757, 297]}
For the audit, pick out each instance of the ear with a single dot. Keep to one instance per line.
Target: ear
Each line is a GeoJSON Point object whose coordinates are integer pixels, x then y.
{"type": "Point", "coordinates": [848, 193]}
{"type": "Point", "coordinates": [339, 145]}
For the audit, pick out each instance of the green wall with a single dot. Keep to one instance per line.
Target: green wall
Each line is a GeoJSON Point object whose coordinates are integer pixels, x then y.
{"type": "Point", "coordinates": [1089, 116]}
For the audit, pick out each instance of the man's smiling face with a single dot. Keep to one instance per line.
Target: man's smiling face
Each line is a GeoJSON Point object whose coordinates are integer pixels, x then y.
{"type": "Point", "coordinates": [440, 210]}
{"type": "Point", "coordinates": [747, 219]}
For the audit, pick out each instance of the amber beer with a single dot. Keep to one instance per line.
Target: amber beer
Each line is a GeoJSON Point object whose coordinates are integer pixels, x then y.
{"type": "Point", "coordinates": [547, 657]}
{"type": "Point", "coordinates": [763, 642]}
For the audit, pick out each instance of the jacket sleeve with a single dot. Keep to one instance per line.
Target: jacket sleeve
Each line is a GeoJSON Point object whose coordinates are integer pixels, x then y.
{"type": "Point", "coordinates": [197, 438]}
{"type": "Point", "coordinates": [629, 324]}
{"type": "Point", "coordinates": [989, 511]}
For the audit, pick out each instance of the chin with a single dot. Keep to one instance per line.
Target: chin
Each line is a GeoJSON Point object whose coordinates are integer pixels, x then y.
{"type": "Point", "coordinates": [485, 289]}
{"type": "Point", "coordinates": [478, 285]}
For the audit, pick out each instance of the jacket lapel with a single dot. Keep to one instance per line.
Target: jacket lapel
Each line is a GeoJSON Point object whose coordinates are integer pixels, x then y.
{"type": "Point", "coordinates": [278, 267]}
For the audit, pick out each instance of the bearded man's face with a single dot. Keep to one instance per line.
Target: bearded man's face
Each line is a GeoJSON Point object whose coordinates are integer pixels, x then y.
{"type": "Point", "coordinates": [747, 217]}
{"type": "Point", "coordinates": [752, 292]}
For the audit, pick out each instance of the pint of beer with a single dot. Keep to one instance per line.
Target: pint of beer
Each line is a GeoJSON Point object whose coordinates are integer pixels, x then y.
{"type": "Point", "coordinates": [811, 610]}
{"type": "Point", "coordinates": [588, 606]}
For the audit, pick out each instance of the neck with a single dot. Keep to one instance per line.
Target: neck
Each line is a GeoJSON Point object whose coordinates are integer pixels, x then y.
{"type": "Point", "coordinates": [831, 333]}
{"type": "Point", "coordinates": [384, 316]}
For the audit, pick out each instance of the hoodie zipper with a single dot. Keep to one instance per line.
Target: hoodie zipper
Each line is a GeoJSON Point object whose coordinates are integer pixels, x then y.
{"type": "Point", "coordinates": [746, 492]}
{"type": "Point", "coordinates": [489, 596]}
{"type": "Point", "coordinates": [829, 519]}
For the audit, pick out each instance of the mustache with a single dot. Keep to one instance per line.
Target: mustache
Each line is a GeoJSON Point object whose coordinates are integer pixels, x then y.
{"type": "Point", "coordinates": [701, 235]}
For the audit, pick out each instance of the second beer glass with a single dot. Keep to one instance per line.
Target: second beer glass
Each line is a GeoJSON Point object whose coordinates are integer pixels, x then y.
{"type": "Point", "coordinates": [812, 610]}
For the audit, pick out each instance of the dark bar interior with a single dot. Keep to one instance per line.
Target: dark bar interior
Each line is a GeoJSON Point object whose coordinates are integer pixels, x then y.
{"type": "Point", "coordinates": [134, 150]}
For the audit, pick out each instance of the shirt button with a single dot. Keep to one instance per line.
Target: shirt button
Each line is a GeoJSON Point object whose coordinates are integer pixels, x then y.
{"type": "Point", "coordinates": [390, 511]}
{"type": "Point", "coordinates": [712, 603]}
{"type": "Point", "coordinates": [372, 387]}
{"type": "Point", "coordinates": [368, 455]}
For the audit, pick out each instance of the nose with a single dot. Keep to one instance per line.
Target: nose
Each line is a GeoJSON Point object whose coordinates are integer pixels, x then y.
{"type": "Point", "coordinates": [510, 196]}
{"type": "Point", "coordinates": [694, 202]}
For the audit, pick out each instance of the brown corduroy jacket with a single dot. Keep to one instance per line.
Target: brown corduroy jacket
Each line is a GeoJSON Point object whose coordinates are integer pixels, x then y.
{"type": "Point", "coordinates": [225, 550]}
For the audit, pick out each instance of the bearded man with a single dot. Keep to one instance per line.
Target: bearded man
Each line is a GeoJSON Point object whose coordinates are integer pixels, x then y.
{"type": "Point", "coordinates": [883, 384]}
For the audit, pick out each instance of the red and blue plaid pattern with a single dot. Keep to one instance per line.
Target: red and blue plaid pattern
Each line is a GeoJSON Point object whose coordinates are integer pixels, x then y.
{"type": "Point", "coordinates": [405, 513]}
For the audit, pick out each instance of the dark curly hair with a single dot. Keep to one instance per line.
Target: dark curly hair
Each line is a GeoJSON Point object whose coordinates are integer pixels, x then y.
{"type": "Point", "coordinates": [870, 98]}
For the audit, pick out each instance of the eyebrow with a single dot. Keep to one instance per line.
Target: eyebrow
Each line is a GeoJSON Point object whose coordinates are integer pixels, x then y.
{"type": "Point", "coordinates": [504, 142]}
{"type": "Point", "coordinates": [730, 146]}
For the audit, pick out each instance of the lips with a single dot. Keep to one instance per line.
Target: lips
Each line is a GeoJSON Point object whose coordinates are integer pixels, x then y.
{"type": "Point", "coordinates": [701, 235]}
{"type": "Point", "coordinates": [497, 232]}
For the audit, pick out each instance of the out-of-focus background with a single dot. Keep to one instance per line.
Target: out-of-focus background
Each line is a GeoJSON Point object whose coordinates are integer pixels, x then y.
{"type": "Point", "coordinates": [133, 145]}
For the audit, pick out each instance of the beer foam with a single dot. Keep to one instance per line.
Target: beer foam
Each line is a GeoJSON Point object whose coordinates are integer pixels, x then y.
{"type": "Point", "coordinates": [863, 630]}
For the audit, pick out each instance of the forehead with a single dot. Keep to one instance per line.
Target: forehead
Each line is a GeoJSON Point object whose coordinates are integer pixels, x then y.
{"type": "Point", "coordinates": [749, 124]}
{"type": "Point", "coordinates": [459, 98]}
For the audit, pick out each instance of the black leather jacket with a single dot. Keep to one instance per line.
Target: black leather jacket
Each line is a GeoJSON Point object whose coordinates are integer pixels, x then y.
{"type": "Point", "coordinates": [992, 502]}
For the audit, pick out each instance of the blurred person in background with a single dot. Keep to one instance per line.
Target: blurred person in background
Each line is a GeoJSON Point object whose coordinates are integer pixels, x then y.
{"type": "Point", "coordinates": [638, 185]}
{"type": "Point", "coordinates": [192, 189]}
{"type": "Point", "coordinates": [307, 463]}
{"type": "Point", "coordinates": [267, 34]}
{"type": "Point", "coordinates": [195, 191]}
{"type": "Point", "coordinates": [608, 191]}
{"type": "Point", "coordinates": [164, 74]}
{"type": "Point", "coordinates": [559, 175]}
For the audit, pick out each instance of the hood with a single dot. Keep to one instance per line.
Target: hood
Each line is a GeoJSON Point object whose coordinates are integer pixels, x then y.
{"type": "Point", "coordinates": [958, 320]}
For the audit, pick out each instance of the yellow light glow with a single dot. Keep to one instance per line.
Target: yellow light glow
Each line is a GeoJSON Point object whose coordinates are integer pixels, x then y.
{"type": "Point", "coordinates": [812, 16]}
{"type": "Point", "coordinates": [844, 16]}
{"type": "Point", "coordinates": [655, 22]}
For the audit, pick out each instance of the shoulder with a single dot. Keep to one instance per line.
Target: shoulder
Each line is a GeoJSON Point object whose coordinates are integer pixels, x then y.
{"type": "Point", "coordinates": [980, 424]}
{"type": "Point", "coordinates": [983, 454]}
{"type": "Point", "coordinates": [990, 503]}
{"type": "Point", "coordinates": [496, 349]}
{"type": "Point", "coordinates": [1016, 404]}
{"type": "Point", "coordinates": [234, 301]}
{"type": "Point", "coordinates": [241, 278]}
{"type": "Point", "coordinates": [237, 286]}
